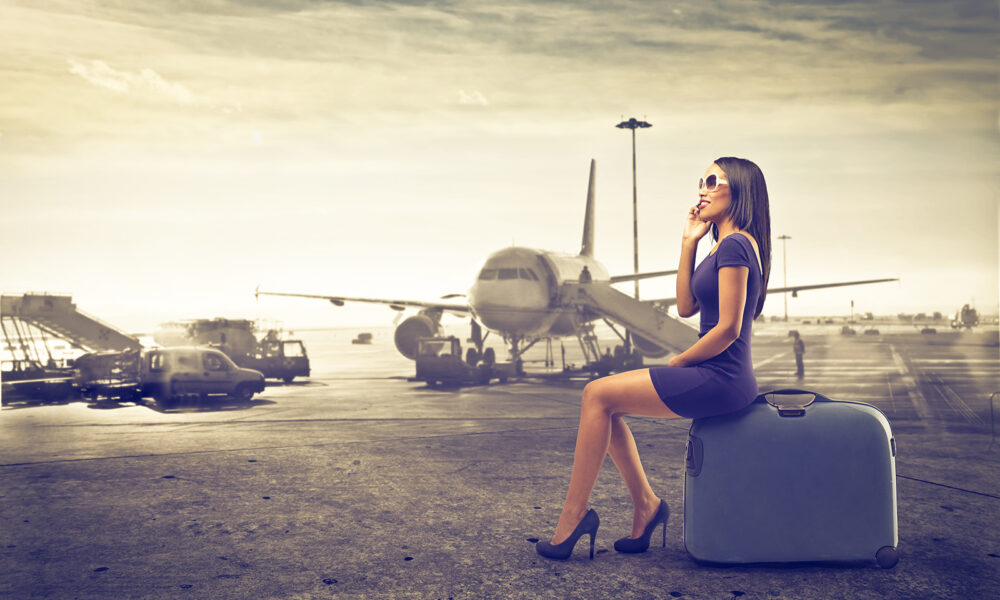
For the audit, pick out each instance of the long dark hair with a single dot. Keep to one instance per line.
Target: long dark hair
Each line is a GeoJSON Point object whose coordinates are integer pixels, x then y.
{"type": "Point", "coordinates": [750, 210]}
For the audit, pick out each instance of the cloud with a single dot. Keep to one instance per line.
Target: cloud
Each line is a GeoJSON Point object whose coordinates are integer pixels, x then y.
{"type": "Point", "coordinates": [101, 74]}
{"type": "Point", "coordinates": [475, 98]}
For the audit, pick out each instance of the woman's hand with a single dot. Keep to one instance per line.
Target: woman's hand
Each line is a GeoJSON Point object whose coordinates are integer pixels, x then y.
{"type": "Point", "coordinates": [675, 361]}
{"type": "Point", "coordinates": [694, 227]}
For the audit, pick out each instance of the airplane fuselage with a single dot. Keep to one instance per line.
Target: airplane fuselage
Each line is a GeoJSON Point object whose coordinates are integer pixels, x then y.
{"type": "Point", "coordinates": [516, 292]}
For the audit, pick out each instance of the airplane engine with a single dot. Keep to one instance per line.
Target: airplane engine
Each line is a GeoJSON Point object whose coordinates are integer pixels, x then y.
{"type": "Point", "coordinates": [417, 326]}
{"type": "Point", "coordinates": [648, 348]}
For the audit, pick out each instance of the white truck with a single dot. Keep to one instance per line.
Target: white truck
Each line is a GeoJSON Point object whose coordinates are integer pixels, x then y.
{"type": "Point", "coordinates": [165, 374]}
{"type": "Point", "coordinates": [169, 373]}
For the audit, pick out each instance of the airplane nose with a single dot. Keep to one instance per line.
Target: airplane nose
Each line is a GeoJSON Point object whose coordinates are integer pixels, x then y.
{"type": "Point", "coordinates": [515, 307]}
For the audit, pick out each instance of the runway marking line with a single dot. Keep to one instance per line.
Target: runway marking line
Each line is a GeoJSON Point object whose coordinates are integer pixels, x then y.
{"type": "Point", "coordinates": [954, 400]}
{"type": "Point", "coordinates": [768, 360]}
{"type": "Point", "coordinates": [892, 397]}
{"type": "Point", "coordinates": [955, 360]}
{"type": "Point", "coordinates": [919, 401]}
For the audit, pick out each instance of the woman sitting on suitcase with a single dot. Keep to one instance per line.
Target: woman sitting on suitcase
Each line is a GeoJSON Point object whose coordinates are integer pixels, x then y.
{"type": "Point", "coordinates": [712, 377]}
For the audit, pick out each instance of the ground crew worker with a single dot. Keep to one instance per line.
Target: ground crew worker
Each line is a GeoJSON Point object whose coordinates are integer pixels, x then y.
{"type": "Point", "coordinates": [800, 348]}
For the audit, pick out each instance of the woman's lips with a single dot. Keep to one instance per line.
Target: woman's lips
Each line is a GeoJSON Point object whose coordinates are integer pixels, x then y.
{"type": "Point", "coordinates": [703, 204]}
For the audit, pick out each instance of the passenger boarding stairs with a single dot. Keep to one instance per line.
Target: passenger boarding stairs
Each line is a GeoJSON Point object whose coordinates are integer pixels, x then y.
{"type": "Point", "coordinates": [650, 324]}
{"type": "Point", "coordinates": [58, 316]}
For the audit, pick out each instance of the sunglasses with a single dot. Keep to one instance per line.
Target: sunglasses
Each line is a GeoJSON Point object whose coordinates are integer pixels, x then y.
{"type": "Point", "coordinates": [710, 183]}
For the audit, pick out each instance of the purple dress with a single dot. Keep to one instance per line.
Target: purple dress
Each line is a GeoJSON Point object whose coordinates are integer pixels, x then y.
{"type": "Point", "coordinates": [725, 382]}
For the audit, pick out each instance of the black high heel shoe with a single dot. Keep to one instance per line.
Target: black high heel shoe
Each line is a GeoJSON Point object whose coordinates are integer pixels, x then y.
{"type": "Point", "coordinates": [641, 544]}
{"type": "Point", "coordinates": [588, 524]}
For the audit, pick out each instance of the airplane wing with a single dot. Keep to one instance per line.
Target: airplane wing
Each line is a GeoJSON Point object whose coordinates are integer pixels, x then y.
{"type": "Point", "coordinates": [393, 304]}
{"type": "Point", "coordinates": [638, 276]}
{"type": "Point", "coordinates": [794, 289]}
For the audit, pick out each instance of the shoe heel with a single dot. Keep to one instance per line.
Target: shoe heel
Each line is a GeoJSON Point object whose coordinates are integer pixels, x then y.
{"type": "Point", "coordinates": [664, 534]}
{"type": "Point", "coordinates": [593, 534]}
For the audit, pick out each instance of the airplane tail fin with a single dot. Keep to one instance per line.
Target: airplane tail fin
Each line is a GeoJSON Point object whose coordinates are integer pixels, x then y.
{"type": "Point", "coordinates": [587, 247]}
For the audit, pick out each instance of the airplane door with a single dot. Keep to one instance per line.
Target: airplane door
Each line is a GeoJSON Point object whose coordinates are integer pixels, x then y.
{"type": "Point", "coordinates": [551, 281]}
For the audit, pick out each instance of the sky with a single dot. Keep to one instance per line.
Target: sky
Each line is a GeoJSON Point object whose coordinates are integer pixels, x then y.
{"type": "Point", "coordinates": [161, 161]}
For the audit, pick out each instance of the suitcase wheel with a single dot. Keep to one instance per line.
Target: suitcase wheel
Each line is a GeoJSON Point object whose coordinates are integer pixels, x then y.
{"type": "Point", "coordinates": [887, 557]}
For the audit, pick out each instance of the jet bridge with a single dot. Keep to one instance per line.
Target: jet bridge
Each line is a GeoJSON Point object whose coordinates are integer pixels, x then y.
{"type": "Point", "coordinates": [650, 327]}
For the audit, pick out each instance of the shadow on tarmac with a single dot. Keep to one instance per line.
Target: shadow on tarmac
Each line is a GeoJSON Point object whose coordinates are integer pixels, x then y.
{"type": "Point", "coordinates": [201, 405]}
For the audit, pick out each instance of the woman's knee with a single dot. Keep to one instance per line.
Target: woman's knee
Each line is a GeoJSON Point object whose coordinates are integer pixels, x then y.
{"type": "Point", "coordinates": [592, 396]}
{"type": "Point", "coordinates": [598, 395]}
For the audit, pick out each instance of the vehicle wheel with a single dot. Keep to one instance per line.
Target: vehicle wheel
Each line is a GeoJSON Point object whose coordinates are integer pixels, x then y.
{"type": "Point", "coordinates": [471, 357]}
{"type": "Point", "coordinates": [288, 379]}
{"type": "Point", "coordinates": [243, 393]}
{"type": "Point", "coordinates": [887, 557]}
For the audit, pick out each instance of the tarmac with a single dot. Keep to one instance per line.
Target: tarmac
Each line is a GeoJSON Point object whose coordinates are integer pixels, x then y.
{"type": "Point", "coordinates": [359, 483]}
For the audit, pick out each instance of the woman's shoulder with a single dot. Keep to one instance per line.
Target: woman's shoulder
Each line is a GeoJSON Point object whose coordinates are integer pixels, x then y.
{"type": "Point", "coordinates": [740, 237]}
{"type": "Point", "coordinates": [739, 246]}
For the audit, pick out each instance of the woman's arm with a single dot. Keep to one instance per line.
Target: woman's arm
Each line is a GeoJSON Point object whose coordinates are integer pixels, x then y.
{"type": "Point", "coordinates": [694, 230]}
{"type": "Point", "coordinates": [732, 300]}
{"type": "Point", "coordinates": [686, 303]}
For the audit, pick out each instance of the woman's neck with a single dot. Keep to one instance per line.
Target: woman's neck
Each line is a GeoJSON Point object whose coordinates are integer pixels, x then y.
{"type": "Point", "coordinates": [727, 227]}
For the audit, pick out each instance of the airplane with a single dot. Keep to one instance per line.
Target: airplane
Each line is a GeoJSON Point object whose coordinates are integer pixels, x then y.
{"type": "Point", "coordinates": [526, 295]}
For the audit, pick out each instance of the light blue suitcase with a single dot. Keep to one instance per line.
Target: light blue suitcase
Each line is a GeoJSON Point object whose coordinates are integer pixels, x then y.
{"type": "Point", "coordinates": [811, 480]}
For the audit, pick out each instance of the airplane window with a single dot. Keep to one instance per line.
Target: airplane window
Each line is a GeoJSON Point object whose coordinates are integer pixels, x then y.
{"type": "Point", "coordinates": [487, 274]}
{"type": "Point", "coordinates": [508, 273]}
{"type": "Point", "coordinates": [527, 274]}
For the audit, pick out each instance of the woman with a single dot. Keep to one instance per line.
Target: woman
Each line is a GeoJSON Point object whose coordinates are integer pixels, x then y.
{"type": "Point", "coordinates": [714, 376]}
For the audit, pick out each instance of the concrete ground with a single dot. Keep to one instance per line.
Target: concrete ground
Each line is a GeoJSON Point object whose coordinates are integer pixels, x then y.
{"type": "Point", "coordinates": [365, 486]}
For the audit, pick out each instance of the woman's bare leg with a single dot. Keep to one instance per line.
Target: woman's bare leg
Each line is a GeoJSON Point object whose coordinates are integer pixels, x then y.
{"type": "Point", "coordinates": [624, 453]}
{"type": "Point", "coordinates": [629, 393]}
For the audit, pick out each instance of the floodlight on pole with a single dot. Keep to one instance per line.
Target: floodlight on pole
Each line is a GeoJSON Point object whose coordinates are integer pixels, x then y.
{"type": "Point", "coordinates": [634, 124]}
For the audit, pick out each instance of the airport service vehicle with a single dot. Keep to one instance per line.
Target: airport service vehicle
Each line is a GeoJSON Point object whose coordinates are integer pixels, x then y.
{"type": "Point", "coordinates": [363, 338]}
{"type": "Point", "coordinates": [110, 375]}
{"type": "Point", "coordinates": [169, 373]}
{"type": "Point", "coordinates": [439, 360]}
{"type": "Point", "coordinates": [165, 374]}
{"type": "Point", "coordinates": [966, 317]}
{"type": "Point", "coordinates": [276, 358]}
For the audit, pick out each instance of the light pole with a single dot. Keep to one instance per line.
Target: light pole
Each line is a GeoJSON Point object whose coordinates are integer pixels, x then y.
{"type": "Point", "coordinates": [633, 124]}
{"type": "Point", "coordinates": [784, 266]}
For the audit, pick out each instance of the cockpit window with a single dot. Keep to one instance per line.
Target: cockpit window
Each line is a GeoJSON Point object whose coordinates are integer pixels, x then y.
{"type": "Point", "coordinates": [507, 274]}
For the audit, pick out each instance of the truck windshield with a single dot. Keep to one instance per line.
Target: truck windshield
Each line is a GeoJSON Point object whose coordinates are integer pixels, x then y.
{"type": "Point", "coordinates": [294, 349]}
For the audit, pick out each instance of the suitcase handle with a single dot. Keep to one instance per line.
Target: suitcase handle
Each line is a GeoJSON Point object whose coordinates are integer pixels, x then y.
{"type": "Point", "coordinates": [792, 410]}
